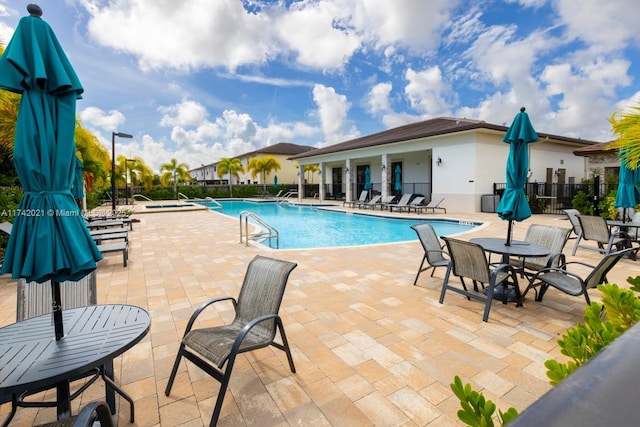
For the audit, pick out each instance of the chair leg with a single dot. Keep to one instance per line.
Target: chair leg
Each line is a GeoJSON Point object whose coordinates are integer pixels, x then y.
{"type": "Point", "coordinates": [487, 304]}
{"type": "Point", "coordinates": [174, 371]}
{"type": "Point", "coordinates": [420, 270]}
{"type": "Point", "coordinates": [285, 345]}
{"type": "Point", "coordinates": [575, 247]}
{"type": "Point", "coordinates": [445, 283]}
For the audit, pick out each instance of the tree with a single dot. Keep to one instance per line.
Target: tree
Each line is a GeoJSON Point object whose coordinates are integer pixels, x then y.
{"type": "Point", "coordinates": [311, 170]}
{"type": "Point", "coordinates": [232, 167]}
{"type": "Point", "coordinates": [263, 165]}
{"type": "Point", "coordinates": [627, 126]}
{"type": "Point", "coordinates": [174, 172]}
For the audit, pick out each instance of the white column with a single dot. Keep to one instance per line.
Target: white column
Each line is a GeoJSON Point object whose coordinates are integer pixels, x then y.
{"type": "Point", "coordinates": [386, 175]}
{"type": "Point", "coordinates": [321, 181]}
{"type": "Point", "coordinates": [349, 172]}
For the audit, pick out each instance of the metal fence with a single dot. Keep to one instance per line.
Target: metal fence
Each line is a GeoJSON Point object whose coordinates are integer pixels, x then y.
{"type": "Point", "coordinates": [553, 198]}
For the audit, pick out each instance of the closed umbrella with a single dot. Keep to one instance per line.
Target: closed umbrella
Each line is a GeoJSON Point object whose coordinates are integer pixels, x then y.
{"type": "Point", "coordinates": [398, 179]}
{"type": "Point", "coordinates": [78, 183]}
{"type": "Point", "coordinates": [367, 179]}
{"type": "Point", "coordinates": [513, 205]}
{"type": "Point", "coordinates": [628, 194]}
{"type": "Point", "coordinates": [275, 182]}
{"type": "Point", "coordinates": [50, 241]}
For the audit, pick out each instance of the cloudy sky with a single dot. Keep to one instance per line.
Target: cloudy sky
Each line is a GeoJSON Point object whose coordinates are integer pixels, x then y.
{"type": "Point", "coordinates": [204, 79]}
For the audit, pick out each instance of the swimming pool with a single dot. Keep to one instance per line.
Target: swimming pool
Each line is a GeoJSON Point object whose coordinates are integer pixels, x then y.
{"type": "Point", "coordinates": [302, 226]}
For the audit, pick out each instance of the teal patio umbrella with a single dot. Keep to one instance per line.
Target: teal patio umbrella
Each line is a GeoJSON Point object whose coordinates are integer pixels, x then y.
{"type": "Point", "coordinates": [367, 179]}
{"type": "Point", "coordinates": [78, 183]}
{"type": "Point", "coordinates": [628, 194]}
{"type": "Point", "coordinates": [50, 240]}
{"type": "Point", "coordinates": [275, 182]}
{"type": "Point", "coordinates": [398, 179]}
{"type": "Point", "coordinates": [513, 205]}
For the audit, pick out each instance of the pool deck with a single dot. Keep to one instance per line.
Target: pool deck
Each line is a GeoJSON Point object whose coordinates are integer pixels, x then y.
{"type": "Point", "coordinates": [369, 347]}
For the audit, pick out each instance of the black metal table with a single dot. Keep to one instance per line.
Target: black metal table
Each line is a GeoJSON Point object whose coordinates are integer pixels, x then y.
{"type": "Point", "coordinates": [31, 358]}
{"type": "Point", "coordinates": [517, 248]}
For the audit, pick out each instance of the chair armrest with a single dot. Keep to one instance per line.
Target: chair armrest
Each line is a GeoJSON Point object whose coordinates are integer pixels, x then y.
{"type": "Point", "coordinates": [94, 411]}
{"type": "Point", "coordinates": [200, 309]}
{"type": "Point", "coordinates": [245, 330]}
{"type": "Point", "coordinates": [562, 259]}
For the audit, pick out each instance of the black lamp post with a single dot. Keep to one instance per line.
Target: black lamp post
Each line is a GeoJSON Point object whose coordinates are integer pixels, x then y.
{"type": "Point", "coordinates": [113, 167]}
{"type": "Point", "coordinates": [126, 178]}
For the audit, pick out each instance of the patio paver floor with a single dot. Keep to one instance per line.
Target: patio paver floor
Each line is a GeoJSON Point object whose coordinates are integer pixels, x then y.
{"type": "Point", "coordinates": [369, 348]}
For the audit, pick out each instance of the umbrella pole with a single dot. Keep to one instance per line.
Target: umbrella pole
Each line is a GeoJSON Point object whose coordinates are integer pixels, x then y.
{"type": "Point", "coordinates": [508, 243]}
{"type": "Point", "coordinates": [57, 310]}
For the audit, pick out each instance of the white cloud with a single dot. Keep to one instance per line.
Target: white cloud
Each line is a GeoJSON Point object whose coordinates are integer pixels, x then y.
{"type": "Point", "coordinates": [332, 111]}
{"type": "Point", "coordinates": [427, 92]}
{"type": "Point", "coordinates": [187, 113]}
{"type": "Point", "coordinates": [95, 117]}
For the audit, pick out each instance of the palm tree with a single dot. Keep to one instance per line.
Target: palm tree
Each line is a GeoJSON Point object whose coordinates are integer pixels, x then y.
{"type": "Point", "coordinates": [232, 167]}
{"type": "Point", "coordinates": [263, 165]}
{"type": "Point", "coordinates": [627, 126]}
{"type": "Point", "coordinates": [311, 170]}
{"type": "Point", "coordinates": [174, 171]}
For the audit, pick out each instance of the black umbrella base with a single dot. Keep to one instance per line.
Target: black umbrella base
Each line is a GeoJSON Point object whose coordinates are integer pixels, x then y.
{"type": "Point", "coordinates": [498, 293]}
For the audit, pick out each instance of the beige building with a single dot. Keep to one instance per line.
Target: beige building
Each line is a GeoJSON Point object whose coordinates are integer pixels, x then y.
{"type": "Point", "coordinates": [282, 151]}
{"type": "Point", "coordinates": [598, 160]}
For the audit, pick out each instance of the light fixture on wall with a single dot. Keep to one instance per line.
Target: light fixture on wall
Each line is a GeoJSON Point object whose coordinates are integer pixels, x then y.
{"type": "Point", "coordinates": [558, 172]}
{"type": "Point", "coordinates": [383, 166]}
{"type": "Point", "coordinates": [439, 161]}
{"type": "Point", "coordinates": [346, 169]}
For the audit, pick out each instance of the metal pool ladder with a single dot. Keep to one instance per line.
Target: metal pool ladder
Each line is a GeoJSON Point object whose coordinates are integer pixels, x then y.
{"type": "Point", "coordinates": [267, 232]}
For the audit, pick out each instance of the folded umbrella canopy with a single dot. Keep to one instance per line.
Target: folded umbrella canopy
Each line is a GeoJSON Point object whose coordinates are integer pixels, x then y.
{"type": "Point", "coordinates": [513, 204]}
{"type": "Point", "coordinates": [49, 240]}
{"type": "Point", "coordinates": [628, 194]}
{"type": "Point", "coordinates": [367, 179]}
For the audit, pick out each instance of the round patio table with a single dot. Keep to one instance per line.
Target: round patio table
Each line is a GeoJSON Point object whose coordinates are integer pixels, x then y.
{"type": "Point", "coordinates": [32, 359]}
{"type": "Point", "coordinates": [518, 248]}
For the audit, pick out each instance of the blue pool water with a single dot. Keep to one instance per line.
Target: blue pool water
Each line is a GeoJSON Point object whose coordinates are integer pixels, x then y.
{"type": "Point", "coordinates": [301, 226]}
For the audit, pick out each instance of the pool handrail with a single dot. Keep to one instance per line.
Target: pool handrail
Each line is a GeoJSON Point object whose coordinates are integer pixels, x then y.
{"type": "Point", "coordinates": [142, 196]}
{"type": "Point", "coordinates": [270, 234]}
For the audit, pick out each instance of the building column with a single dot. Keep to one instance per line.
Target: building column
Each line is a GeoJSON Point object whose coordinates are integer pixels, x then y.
{"type": "Point", "coordinates": [349, 172]}
{"type": "Point", "coordinates": [321, 179]}
{"type": "Point", "coordinates": [300, 182]}
{"type": "Point", "coordinates": [386, 175]}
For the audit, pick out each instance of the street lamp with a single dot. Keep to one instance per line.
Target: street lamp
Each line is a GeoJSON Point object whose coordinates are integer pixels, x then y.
{"type": "Point", "coordinates": [113, 167]}
{"type": "Point", "coordinates": [126, 178]}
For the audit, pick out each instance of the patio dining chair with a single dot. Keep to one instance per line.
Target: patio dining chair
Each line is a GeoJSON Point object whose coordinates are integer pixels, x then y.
{"type": "Point", "coordinates": [554, 238]}
{"type": "Point", "coordinates": [214, 350]}
{"type": "Point", "coordinates": [434, 255]}
{"type": "Point", "coordinates": [572, 283]}
{"type": "Point", "coordinates": [468, 260]}
{"type": "Point", "coordinates": [572, 216]}
{"type": "Point", "coordinates": [595, 228]}
{"type": "Point", "coordinates": [90, 414]}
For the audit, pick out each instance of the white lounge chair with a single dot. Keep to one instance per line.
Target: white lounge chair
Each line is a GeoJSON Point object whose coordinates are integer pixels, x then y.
{"type": "Point", "coordinates": [402, 203]}
{"type": "Point", "coordinates": [433, 205]}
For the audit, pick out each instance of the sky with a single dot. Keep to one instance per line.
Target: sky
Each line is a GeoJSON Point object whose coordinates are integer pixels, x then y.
{"type": "Point", "coordinates": [198, 80]}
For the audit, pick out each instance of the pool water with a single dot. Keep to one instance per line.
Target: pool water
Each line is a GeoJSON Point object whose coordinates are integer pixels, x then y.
{"type": "Point", "coordinates": [303, 226]}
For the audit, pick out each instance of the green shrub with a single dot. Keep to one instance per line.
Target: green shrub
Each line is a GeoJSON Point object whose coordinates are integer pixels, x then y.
{"type": "Point", "coordinates": [582, 203]}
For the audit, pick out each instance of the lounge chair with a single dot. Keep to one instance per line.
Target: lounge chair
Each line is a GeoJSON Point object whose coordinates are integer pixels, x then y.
{"type": "Point", "coordinates": [433, 205]}
{"type": "Point", "coordinates": [386, 201]}
{"type": "Point", "coordinates": [255, 326]}
{"type": "Point", "coordinates": [416, 204]}
{"type": "Point", "coordinates": [402, 203]}
{"type": "Point", "coordinates": [468, 260]}
{"type": "Point", "coordinates": [371, 203]}
{"type": "Point", "coordinates": [571, 283]}
{"type": "Point", "coordinates": [595, 228]}
{"type": "Point", "coordinates": [361, 200]}
{"type": "Point", "coordinates": [434, 255]}
{"type": "Point", "coordinates": [554, 238]}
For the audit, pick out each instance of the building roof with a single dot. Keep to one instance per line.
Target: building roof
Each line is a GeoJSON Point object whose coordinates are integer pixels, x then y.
{"type": "Point", "coordinates": [590, 150]}
{"type": "Point", "coordinates": [423, 129]}
{"type": "Point", "coordinates": [285, 148]}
